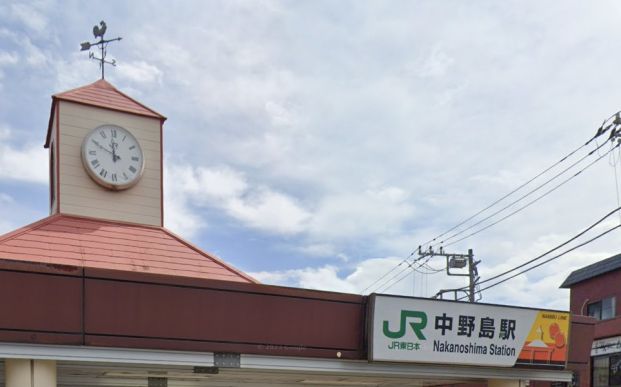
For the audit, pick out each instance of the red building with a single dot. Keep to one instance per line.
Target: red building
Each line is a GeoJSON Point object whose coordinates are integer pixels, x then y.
{"type": "Point", "coordinates": [595, 291]}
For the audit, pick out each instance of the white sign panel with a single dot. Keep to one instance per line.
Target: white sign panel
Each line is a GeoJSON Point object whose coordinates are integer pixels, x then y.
{"type": "Point", "coordinates": [606, 346]}
{"type": "Point", "coordinates": [434, 331]}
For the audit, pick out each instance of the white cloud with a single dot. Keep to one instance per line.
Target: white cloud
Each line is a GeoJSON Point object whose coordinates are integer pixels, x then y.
{"type": "Point", "coordinates": [6, 201]}
{"type": "Point", "coordinates": [139, 72]}
{"type": "Point", "coordinates": [323, 278]}
{"type": "Point", "coordinates": [386, 275]}
{"type": "Point", "coordinates": [178, 215]}
{"type": "Point", "coordinates": [437, 64]}
{"type": "Point", "coordinates": [74, 71]}
{"type": "Point", "coordinates": [269, 211]}
{"type": "Point", "coordinates": [30, 16]}
{"type": "Point", "coordinates": [35, 56]}
{"type": "Point", "coordinates": [318, 250]}
{"type": "Point", "coordinates": [207, 184]}
{"type": "Point", "coordinates": [225, 189]}
{"type": "Point", "coordinates": [371, 213]}
{"type": "Point", "coordinates": [8, 58]}
{"type": "Point", "coordinates": [25, 163]}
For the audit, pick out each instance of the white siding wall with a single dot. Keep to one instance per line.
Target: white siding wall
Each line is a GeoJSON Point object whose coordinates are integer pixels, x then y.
{"type": "Point", "coordinates": [80, 195]}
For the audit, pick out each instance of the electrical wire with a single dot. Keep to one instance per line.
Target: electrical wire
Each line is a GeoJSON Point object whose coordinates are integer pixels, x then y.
{"type": "Point", "coordinates": [382, 290]}
{"type": "Point", "coordinates": [581, 233]}
{"type": "Point", "coordinates": [383, 285]}
{"type": "Point", "coordinates": [550, 259]}
{"type": "Point", "coordinates": [388, 272]}
{"type": "Point", "coordinates": [432, 270]}
{"type": "Point", "coordinates": [532, 201]}
{"type": "Point", "coordinates": [616, 121]}
{"type": "Point", "coordinates": [390, 283]}
{"type": "Point", "coordinates": [614, 164]}
{"type": "Point", "coordinates": [393, 269]}
{"type": "Point", "coordinates": [526, 195]}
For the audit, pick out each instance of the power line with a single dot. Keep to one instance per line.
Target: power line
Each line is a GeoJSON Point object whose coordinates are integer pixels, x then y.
{"type": "Point", "coordinates": [613, 120]}
{"type": "Point", "coordinates": [614, 164]}
{"type": "Point", "coordinates": [550, 259]}
{"type": "Point", "coordinates": [382, 285]}
{"type": "Point", "coordinates": [581, 233]}
{"type": "Point", "coordinates": [612, 123]}
{"type": "Point", "coordinates": [464, 221]}
{"type": "Point", "coordinates": [390, 283]}
{"type": "Point", "coordinates": [526, 195]}
{"type": "Point", "coordinates": [532, 201]}
{"type": "Point", "coordinates": [388, 272]}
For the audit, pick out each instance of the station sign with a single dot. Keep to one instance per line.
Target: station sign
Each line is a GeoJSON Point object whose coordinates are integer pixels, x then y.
{"type": "Point", "coordinates": [408, 329]}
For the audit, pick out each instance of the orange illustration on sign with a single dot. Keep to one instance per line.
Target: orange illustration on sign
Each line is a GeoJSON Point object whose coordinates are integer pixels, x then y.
{"type": "Point", "coordinates": [547, 341]}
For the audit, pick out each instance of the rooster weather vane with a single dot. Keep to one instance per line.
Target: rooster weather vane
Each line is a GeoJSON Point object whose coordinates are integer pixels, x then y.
{"type": "Point", "coordinates": [99, 31]}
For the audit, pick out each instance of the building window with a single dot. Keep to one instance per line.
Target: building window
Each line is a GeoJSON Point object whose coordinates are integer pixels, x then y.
{"type": "Point", "coordinates": [614, 376]}
{"type": "Point", "coordinates": [600, 372]}
{"type": "Point", "coordinates": [603, 309]}
{"type": "Point", "coordinates": [606, 371]}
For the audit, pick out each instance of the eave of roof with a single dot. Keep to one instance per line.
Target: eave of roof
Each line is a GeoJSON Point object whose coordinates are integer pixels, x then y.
{"type": "Point", "coordinates": [86, 242]}
{"type": "Point", "coordinates": [594, 270]}
{"type": "Point", "coordinates": [100, 94]}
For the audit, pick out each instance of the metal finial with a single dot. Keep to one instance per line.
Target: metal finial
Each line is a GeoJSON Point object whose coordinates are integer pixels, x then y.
{"type": "Point", "coordinates": [98, 32]}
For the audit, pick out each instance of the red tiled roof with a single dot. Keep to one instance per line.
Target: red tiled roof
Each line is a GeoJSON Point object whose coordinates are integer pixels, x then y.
{"type": "Point", "coordinates": [102, 94]}
{"type": "Point", "coordinates": [83, 242]}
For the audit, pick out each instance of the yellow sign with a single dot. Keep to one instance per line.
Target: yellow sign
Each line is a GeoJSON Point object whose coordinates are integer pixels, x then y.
{"type": "Point", "coordinates": [546, 342]}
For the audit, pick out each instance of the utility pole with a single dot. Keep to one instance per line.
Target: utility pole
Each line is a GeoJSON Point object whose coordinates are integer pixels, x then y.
{"type": "Point", "coordinates": [456, 261]}
{"type": "Point", "coordinates": [471, 275]}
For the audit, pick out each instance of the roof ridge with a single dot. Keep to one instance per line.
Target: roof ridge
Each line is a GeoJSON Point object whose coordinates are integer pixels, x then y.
{"type": "Point", "coordinates": [597, 268]}
{"type": "Point", "coordinates": [103, 95]}
{"type": "Point", "coordinates": [109, 86]}
{"type": "Point", "coordinates": [55, 95]}
{"type": "Point", "coordinates": [215, 258]}
{"type": "Point", "coordinates": [134, 100]}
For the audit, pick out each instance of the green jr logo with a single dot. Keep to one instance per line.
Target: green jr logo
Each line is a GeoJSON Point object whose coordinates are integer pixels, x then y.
{"type": "Point", "coordinates": [417, 327]}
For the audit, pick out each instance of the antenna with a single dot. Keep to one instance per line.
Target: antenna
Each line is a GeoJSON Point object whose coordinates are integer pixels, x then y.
{"type": "Point", "coordinates": [98, 32]}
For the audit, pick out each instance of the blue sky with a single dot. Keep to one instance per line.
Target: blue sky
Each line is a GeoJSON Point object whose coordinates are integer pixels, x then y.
{"type": "Point", "coordinates": [316, 144]}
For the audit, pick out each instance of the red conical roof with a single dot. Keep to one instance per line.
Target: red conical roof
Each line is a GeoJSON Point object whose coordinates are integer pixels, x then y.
{"type": "Point", "coordinates": [94, 243]}
{"type": "Point", "coordinates": [101, 94]}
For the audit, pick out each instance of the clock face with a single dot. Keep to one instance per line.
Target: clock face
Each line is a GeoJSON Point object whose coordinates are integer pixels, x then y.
{"type": "Point", "coordinates": [112, 157]}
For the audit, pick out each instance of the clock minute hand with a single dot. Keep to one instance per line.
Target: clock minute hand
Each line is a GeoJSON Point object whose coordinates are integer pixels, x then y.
{"type": "Point", "coordinates": [102, 147]}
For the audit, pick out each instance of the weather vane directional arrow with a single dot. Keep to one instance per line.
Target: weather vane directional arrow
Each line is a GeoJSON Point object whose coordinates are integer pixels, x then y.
{"type": "Point", "coordinates": [99, 31]}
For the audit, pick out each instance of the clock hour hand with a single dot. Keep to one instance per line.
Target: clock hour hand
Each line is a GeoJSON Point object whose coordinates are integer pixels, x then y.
{"type": "Point", "coordinates": [114, 145]}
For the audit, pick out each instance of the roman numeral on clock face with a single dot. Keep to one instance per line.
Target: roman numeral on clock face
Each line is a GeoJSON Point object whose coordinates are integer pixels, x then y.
{"type": "Point", "coordinates": [113, 157]}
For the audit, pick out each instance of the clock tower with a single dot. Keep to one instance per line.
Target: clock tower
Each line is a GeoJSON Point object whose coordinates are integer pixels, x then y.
{"type": "Point", "coordinates": [106, 207]}
{"type": "Point", "coordinates": [105, 156]}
